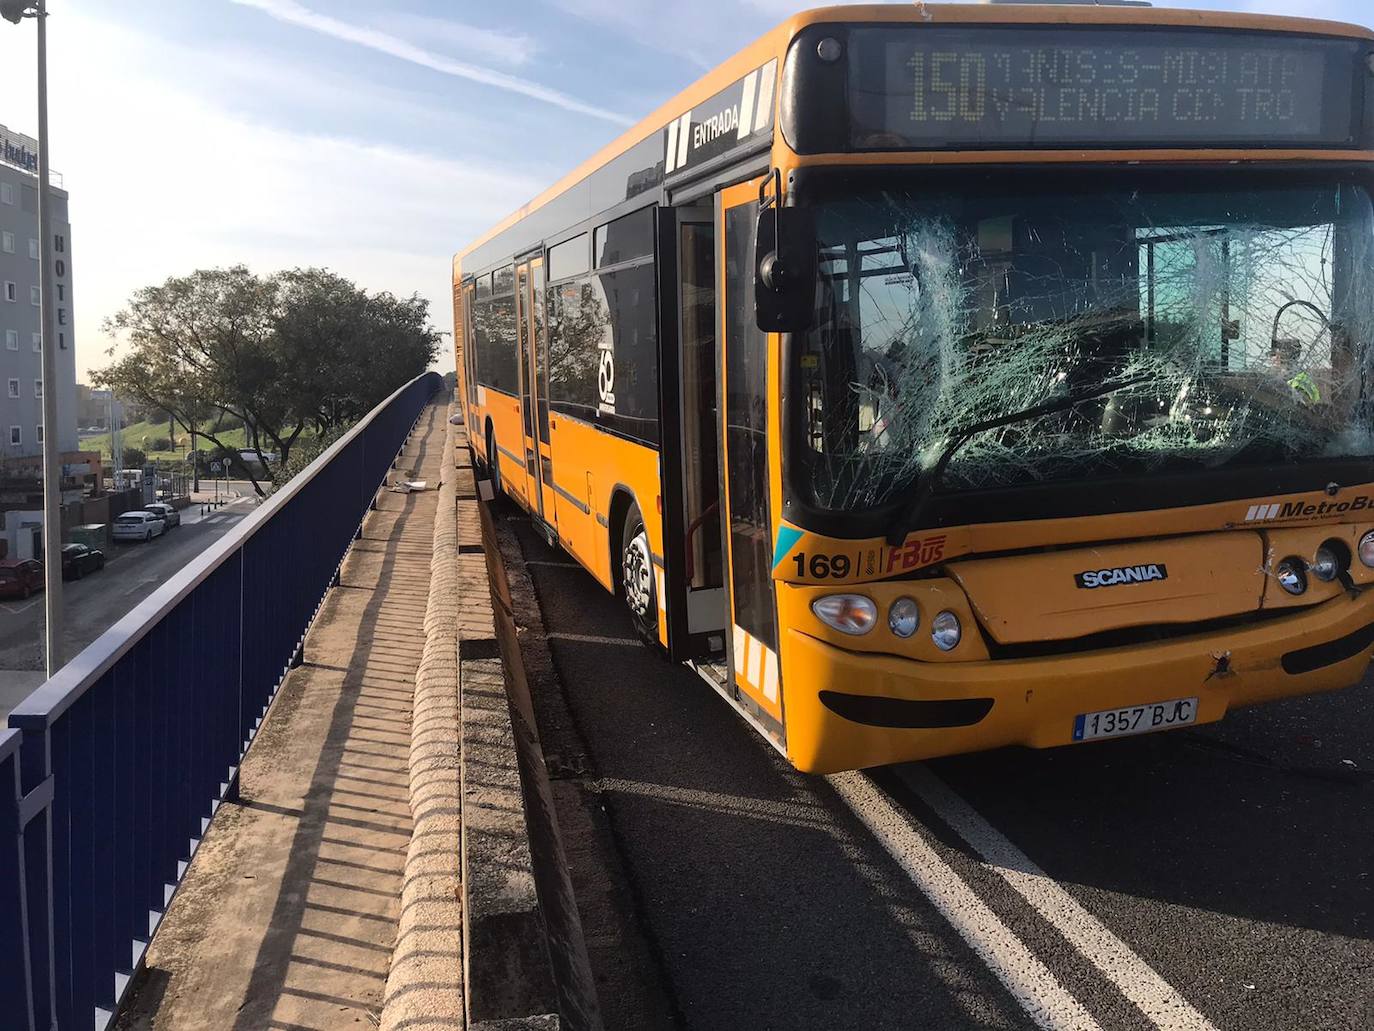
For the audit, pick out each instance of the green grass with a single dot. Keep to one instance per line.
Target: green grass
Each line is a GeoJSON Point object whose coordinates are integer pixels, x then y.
{"type": "Point", "coordinates": [134, 434]}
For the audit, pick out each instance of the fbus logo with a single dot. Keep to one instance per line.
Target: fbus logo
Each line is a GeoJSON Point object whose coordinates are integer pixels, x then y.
{"type": "Point", "coordinates": [923, 551]}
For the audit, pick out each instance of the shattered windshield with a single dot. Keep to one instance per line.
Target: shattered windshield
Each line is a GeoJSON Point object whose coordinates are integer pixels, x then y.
{"type": "Point", "coordinates": [1240, 318]}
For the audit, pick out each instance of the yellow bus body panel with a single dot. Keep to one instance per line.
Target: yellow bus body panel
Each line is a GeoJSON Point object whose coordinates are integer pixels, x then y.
{"type": "Point", "coordinates": [1035, 700]}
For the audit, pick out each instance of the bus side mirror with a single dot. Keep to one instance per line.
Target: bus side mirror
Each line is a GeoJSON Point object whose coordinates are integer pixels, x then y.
{"type": "Point", "coordinates": [785, 270]}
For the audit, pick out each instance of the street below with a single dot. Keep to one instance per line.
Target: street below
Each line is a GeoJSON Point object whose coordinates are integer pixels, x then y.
{"type": "Point", "coordinates": [95, 602]}
{"type": "Point", "coordinates": [1214, 877]}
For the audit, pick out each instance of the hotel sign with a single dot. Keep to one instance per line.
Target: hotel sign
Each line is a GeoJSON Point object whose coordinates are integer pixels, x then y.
{"type": "Point", "coordinates": [19, 150]}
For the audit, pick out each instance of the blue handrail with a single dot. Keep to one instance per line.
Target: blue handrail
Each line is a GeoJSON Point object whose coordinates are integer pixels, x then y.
{"type": "Point", "coordinates": [114, 767]}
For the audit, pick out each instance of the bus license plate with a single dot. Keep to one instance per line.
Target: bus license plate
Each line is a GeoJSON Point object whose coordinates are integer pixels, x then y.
{"type": "Point", "coordinates": [1135, 719]}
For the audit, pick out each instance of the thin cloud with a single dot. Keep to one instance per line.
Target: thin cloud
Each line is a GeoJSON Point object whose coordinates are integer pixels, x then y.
{"type": "Point", "coordinates": [294, 14]}
{"type": "Point", "coordinates": [509, 48]}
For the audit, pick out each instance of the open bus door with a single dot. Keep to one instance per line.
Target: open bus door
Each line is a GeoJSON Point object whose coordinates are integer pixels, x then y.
{"type": "Point", "coordinates": [746, 426]}
{"type": "Point", "coordinates": [688, 364]}
{"type": "Point", "coordinates": [534, 406]}
{"type": "Point", "coordinates": [713, 387]}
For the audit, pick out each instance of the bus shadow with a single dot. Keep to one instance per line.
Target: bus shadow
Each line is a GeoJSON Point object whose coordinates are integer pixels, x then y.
{"type": "Point", "coordinates": [752, 889]}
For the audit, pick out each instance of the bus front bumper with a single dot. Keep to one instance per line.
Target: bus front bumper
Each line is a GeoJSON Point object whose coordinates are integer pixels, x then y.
{"type": "Point", "coordinates": [848, 710]}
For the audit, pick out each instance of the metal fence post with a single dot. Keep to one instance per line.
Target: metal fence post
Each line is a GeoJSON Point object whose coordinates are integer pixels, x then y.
{"type": "Point", "coordinates": [35, 817]}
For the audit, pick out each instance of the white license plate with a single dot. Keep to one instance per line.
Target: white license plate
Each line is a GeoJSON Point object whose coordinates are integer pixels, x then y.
{"type": "Point", "coordinates": [1135, 719]}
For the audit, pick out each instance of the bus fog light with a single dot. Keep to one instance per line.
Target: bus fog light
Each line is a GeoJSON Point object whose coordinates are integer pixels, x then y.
{"type": "Point", "coordinates": [1292, 575]}
{"type": "Point", "coordinates": [848, 613]}
{"type": "Point", "coordinates": [903, 617]}
{"type": "Point", "coordinates": [945, 630]}
{"type": "Point", "coordinates": [1329, 562]}
{"type": "Point", "coordinates": [1367, 549]}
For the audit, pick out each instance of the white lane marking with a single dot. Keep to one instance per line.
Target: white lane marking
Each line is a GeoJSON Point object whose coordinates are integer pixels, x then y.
{"type": "Point", "coordinates": [629, 642]}
{"type": "Point", "coordinates": [1029, 981]}
{"type": "Point", "coordinates": [796, 813]}
{"type": "Point", "coordinates": [1112, 958]}
{"type": "Point", "coordinates": [141, 584]}
{"type": "Point", "coordinates": [16, 609]}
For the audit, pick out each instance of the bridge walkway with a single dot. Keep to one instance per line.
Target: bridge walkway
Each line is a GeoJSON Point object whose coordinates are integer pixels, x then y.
{"type": "Point", "coordinates": [287, 917]}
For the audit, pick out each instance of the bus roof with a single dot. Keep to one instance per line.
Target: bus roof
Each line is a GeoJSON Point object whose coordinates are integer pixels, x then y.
{"type": "Point", "coordinates": [773, 44]}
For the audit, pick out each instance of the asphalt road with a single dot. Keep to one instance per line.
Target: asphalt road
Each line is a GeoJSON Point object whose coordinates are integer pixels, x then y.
{"type": "Point", "coordinates": [1212, 877]}
{"type": "Point", "coordinates": [95, 602]}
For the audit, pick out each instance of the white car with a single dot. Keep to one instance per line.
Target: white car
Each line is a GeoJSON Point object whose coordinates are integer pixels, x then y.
{"type": "Point", "coordinates": [138, 526]}
{"type": "Point", "coordinates": [169, 515]}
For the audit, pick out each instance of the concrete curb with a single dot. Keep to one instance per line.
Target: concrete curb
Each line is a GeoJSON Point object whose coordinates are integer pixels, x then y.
{"type": "Point", "coordinates": [510, 981]}
{"type": "Point", "coordinates": [424, 987]}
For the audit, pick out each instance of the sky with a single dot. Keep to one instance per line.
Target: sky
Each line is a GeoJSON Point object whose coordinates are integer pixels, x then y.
{"type": "Point", "coordinates": [373, 138]}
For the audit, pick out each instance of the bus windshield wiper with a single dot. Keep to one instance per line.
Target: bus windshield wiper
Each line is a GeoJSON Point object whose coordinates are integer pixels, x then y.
{"type": "Point", "coordinates": [912, 511]}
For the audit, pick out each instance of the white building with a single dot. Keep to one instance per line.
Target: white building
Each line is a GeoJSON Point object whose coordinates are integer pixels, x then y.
{"type": "Point", "coordinates": [21, 359]}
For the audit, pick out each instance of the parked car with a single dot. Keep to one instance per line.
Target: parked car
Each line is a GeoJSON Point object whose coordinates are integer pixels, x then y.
{"type": "Point", "coordinates": [20, 577]}
{"type": "Point", "coordinates": [138, 526]}
{"type": "Point", "coordinates": [169, 514]}
{"type": "Point", "coordinates": [78, 560]}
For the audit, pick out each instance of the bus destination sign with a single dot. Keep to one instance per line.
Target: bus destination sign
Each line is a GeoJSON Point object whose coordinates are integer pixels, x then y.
{"type": "Point", "coordinates": [944, 87]}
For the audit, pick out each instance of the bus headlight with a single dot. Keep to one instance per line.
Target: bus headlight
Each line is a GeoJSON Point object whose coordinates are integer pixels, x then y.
{"type": "Point", "coordinates": [848, 613]}
{"type": "Point", "coordinates": [1330, 561]}
{"type": "Point", "coordinates": [945, 630]}
{"type": "Point", "coordinates": [903, 617]}
{"type": "Point", "coordinates": [1367, 549]}
{"type": "Point", "coordinates": [1291, 575]}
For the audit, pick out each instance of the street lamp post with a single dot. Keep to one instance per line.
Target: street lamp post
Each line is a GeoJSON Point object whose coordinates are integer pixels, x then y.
{"type": "Point", "coordinates": [15, 11]}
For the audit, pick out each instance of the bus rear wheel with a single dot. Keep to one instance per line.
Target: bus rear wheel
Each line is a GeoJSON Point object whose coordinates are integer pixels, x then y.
{"type": "Point", "coordinates": [637, 581]}
{"type": "Point", "coordinates": [493, 462]}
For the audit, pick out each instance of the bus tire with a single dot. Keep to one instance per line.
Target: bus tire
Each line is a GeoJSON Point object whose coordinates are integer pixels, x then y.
{"type": "Point", "coordinates": [637, 581]}
{"type": "Point", "coordinates": [493, 461]}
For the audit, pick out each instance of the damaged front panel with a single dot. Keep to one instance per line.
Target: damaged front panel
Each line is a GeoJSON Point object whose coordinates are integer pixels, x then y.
{"type": "Point", "coordinates": [1239, 314]}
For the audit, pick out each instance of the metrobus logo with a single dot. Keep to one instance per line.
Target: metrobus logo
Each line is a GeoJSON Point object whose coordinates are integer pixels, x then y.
{"type": "Point", "coordinates": [1305, 510]}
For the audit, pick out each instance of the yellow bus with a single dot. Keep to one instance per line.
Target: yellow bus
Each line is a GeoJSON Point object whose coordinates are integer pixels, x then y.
{"type": "Point", "coordinates": [941, 377]}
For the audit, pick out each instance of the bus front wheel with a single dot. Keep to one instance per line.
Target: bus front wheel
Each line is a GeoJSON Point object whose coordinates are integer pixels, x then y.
{"type": "Point", "coordinates": [637, 585]}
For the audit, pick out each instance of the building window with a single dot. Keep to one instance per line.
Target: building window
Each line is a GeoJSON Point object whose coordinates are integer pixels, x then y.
{"type": "Point", "coordinates": [33, 248]}
{"type": "Point", "coordinates": [61, 316]}
{"type": "Point", "coordinates": [35, 296]}
{"type": "Point", "coordinates": [37, 343]}
{"type": "Point", "coordinates": [12, 339]}
{"type": "Point", "coordinates": [11, 291]}
{"type": "Point", "coordinates": [14, 387]}
{"type": "Point", "coordinates": [16, 435]}
{"type": "Point", "coordinates": [7, 242]}
{"type": "Point", "coordinates": [38, 388]}
{"type": "Point", "coordinates": [59, 244]}
{"type": "Point", "coordinates": [6, 193]}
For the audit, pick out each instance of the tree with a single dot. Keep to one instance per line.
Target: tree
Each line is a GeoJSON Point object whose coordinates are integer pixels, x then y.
{"type": "Point", "coordinates": [134, 458]}
{"type": "Point", "coordinates": [272, 354]}
{"type": "Point", "coordinates": [344, 350]}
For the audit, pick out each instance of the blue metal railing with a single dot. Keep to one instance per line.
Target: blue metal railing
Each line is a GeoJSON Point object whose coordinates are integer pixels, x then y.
{"type": "Point", "coordinates": [114, 767]}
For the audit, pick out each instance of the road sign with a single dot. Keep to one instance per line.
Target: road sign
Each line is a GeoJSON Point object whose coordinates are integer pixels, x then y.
{"type": "Point", "coordinates": [217, 467]}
